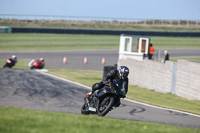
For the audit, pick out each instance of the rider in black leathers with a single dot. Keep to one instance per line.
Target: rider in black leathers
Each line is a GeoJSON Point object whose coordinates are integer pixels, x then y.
{"type": "Point", "coordinates": [122, 73]}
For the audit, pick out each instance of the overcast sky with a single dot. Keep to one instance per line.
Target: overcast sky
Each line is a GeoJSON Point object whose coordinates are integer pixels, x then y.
{"type": "Point", "coordinates": [135, 9]}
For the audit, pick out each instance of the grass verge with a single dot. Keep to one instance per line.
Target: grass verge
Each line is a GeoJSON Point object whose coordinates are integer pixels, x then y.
{"type": "Point", "coordinates": [29, 121]}
{"type": "Point", "coordinates": [52, 42]}
{"type": "Point", "coordinates": [195, 59]}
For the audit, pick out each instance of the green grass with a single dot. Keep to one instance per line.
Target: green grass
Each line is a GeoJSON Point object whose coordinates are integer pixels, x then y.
{"type": "Point", "coordinates": [163, 100]}
{"type": "Point", "coordinates": [15, 120]}
{"type": "Point", "coordinates": [176, 42]}
{"type": "Point", "coordinates": [23, 64]}
{"type": "Point", "coordinates": [195, 59]}
{"type": "Point", "coordinates": [86, 77]}
{"type": "Point", "coordinates": [50, 42]}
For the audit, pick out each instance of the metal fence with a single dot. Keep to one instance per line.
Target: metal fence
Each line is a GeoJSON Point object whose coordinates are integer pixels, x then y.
{"type": "Point", "coordinates": [102, 32]}
{"type": "Point", "coordinates": [13, 18]}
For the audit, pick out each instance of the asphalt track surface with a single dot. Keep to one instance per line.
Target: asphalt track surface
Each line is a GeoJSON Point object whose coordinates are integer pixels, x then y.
{"type": "Point", "coordinates": [94, 57]}
{"type": "Point", "coordinates": [34, 90]}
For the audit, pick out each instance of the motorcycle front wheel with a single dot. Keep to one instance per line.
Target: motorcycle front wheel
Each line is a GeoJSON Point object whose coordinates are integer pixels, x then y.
{"type": "Point", "coordinates": [83, 111]}
{"type": "Point", "coordinates": [105, 105]}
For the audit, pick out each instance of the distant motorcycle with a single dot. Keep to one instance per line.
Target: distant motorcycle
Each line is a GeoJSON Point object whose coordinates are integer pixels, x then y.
{"type": "Point", "coordinates": [38, 64]}
{"type": "Point", "coordinates": [10, 62]}
{"type": "Point", "coordinates": [102, 101]}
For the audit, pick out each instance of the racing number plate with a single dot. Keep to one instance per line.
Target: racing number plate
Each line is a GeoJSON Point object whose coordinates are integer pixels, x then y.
{"type": "Point", "coordinates": [92, 109]}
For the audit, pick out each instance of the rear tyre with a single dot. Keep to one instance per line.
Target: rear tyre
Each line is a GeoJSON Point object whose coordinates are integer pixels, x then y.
{"type": "Point", "coordinates": [106, 105]}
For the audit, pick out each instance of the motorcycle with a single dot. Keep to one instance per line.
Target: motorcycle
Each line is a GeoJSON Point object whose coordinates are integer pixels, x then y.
{"type": "Point", "coordinates": [9, 63]}
{"type": "Point", "coordinates": [103, 100]}
{"type": "Point", "coordinates": [35, 64]}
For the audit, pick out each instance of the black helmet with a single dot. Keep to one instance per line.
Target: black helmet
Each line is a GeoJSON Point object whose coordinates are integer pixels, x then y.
{"type": "Point", "coordinates": [123, 72]}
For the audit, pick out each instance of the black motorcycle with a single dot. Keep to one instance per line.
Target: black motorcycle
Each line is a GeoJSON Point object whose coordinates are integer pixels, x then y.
{"type": "Point", "coordinates": [103, 100]}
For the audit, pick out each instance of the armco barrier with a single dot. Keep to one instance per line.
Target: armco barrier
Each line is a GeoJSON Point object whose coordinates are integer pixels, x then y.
{"type": "Point", "coordinates": [104, 32]}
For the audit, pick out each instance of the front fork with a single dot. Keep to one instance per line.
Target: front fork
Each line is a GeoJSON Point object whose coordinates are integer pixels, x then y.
{"type": "Point", "coordinates": [92, 102]}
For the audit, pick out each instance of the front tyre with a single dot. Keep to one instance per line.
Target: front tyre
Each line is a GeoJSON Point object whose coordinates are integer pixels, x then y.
{"type": "Point", "coordinates": [83, 111]}
{"type": "Point", "coordinates": [105, 105]}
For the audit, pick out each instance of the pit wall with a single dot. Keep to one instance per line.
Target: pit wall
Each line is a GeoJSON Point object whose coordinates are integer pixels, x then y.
{"type": "Point", "coordinates": [181, 78]}
{"type": "Point", "coordinates": [188, 80]}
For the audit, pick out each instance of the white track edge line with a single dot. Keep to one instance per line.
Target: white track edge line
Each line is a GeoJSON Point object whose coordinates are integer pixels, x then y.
{"type": "Point", "coordinates": [161, 108]}
{"type": "Point", "coordinates": [89, 88]}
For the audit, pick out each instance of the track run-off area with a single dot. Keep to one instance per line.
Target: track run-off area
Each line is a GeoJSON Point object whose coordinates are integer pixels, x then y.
{"type": "Point", "coordinates": [41, 91]}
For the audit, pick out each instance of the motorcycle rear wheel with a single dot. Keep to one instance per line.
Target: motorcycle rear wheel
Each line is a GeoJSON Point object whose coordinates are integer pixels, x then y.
{"type": "Point", "coordinates": [105, 105]}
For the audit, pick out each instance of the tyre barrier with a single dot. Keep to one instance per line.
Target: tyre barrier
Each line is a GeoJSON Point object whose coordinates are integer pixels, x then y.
{"type": "Point", "coordinates": [103, 32]}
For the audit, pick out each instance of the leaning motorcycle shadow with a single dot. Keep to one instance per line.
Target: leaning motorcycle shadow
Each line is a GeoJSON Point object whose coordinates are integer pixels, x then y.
{"type": "Point", "coordinates": [133, 110]}
{"type": "Point", "coordinates": [136, 110]}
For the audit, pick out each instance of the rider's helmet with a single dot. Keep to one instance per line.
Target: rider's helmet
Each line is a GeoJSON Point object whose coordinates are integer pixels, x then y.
{"type": "Point", "coordinates": [123, 72]}
{"type": "Point", "coordinates": [14, 57]}
{"type": "Point", "coordinates": [41, 59]}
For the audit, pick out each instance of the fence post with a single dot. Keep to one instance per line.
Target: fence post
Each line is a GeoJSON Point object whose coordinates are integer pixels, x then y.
{"type": "Point", "coordinates": [10, 18]}
{"type": "Point", "coordinates": [179, 23]}
{"type": "Point", "coordinates": [136, 22]}
{"type": "Point", "coordinates": [33, 20]}
{"type": "Point", "coordinates": [173, 90]}
{"type": "Point", "coordinates": [162, 22]}
{"type": "Point", "coordinates": [188, 23]}
{"type": "Point", "coordinates": [170, 23]}
{"type": "Point", "coordinates": [2, 18]}
{"type": "Point", "coordinates": [127, 22]}
{"type": "Point", "coordinates": [50, 19]}
{"type": "Point", "coordinates": [26, 19]}
{"type": "Point", "coordinates": [18, 19]}
{"type": "Point", "coordinates": [158, 54]}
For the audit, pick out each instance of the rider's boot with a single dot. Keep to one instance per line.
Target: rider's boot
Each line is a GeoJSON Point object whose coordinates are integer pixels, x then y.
{"type": "Point", "coordinates": [89, 94]}
{"type": "Point", "coordinates": [118, 103]}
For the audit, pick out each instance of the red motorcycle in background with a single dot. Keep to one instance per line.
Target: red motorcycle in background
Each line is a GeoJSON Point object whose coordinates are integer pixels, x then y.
{"type": "Point", "coordinates": [10, 62]}
{"type": "Point", "coordinates": [38, 64]}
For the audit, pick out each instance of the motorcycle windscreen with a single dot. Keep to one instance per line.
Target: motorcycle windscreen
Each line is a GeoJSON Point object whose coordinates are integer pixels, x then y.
{"type": "Point", "coordinates": [119, 87]}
